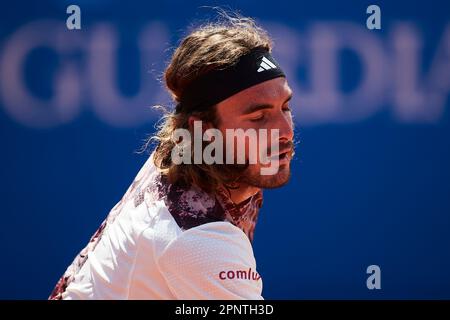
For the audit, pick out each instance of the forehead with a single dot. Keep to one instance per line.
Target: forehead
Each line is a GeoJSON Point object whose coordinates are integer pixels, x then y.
{"type": "Point", "coordinates": [273, 92]}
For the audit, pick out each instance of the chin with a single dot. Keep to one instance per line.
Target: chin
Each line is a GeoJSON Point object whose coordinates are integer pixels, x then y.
{"type": "Point", "coordinates": [271, 182]}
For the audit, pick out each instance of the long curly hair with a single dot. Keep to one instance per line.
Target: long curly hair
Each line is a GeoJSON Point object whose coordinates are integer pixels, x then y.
{"type": "Point", "coordinates": [209, 47]}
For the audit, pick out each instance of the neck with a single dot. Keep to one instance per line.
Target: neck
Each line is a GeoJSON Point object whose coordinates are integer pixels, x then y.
{"type": "Point", "coordinates": [242, 193]}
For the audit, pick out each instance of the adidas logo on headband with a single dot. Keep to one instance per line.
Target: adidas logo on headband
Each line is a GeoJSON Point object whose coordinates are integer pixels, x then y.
{"type": "Point", "coordinates": [266, 64]}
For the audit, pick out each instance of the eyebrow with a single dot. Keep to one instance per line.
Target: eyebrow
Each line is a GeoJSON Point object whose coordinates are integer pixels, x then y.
{"type": "Point", "coordinates": [258, 106]}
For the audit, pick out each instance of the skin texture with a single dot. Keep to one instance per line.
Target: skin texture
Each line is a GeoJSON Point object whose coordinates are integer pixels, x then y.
{"type": "Point", "coordinates": [243, 110]}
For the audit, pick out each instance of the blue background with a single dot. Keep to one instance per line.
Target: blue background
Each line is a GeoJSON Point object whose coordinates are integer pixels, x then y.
{"type": "Point", "coordinates": [375, 190]}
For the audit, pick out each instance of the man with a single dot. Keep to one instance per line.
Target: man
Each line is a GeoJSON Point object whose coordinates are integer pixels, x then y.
{"type": "Point", "coordinates": [184, 229]}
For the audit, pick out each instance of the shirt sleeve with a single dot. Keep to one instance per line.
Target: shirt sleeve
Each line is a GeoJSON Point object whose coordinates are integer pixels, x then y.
{"type": "Point", "coordinates": [211, 261]}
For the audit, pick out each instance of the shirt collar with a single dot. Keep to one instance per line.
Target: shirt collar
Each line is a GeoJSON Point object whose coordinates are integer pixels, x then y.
{"type": "Point", "coordinates": [191, 206]}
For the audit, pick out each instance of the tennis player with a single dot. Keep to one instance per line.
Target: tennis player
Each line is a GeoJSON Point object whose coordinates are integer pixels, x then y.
{"type": "Point", "coordinates": [185, 230]}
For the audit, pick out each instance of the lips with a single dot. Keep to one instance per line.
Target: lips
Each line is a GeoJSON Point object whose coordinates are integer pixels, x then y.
{"type": "Point", "coordinates": [284, 155]}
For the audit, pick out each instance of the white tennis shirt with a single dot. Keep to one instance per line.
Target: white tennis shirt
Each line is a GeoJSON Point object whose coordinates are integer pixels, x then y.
{"type": "Point", "coordinates": [163, 242]}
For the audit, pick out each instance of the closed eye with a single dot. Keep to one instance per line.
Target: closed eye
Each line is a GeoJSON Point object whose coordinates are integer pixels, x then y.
{"type": "Point", "coordinates": [257, 118]}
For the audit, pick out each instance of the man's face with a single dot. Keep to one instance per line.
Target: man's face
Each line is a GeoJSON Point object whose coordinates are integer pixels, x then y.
{"type": "Point", "coordinates": [263, 106]}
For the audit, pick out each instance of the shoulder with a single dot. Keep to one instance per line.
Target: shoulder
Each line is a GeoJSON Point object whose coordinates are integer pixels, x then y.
{"type": "Point", "coordinates": [211, 261]}
{"type": "Point", "coordinates": [212, 239]}
{"type": "Point", "coordinates": [215, 237]}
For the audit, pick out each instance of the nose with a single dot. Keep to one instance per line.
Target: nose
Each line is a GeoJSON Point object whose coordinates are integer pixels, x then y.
{"type": "Point", "coordinates": [286, 127]}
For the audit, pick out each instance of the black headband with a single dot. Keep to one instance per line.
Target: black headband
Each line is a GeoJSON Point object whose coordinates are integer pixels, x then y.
{"type": "Point", "coordinates": [253, 68]}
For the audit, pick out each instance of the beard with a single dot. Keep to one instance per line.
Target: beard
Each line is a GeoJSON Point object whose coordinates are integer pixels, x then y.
{"type": "Point", "coordinates": [251, 174]}
{"type": "Point", "coordinates": [253, 177]}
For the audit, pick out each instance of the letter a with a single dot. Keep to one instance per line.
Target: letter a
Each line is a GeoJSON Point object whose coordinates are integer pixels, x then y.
{"type": "Point", "coordinates": [374, 20]}
{"type": "Point", "coordinates": [374, 281]}
{"type": "Point", "coordinates": [74, 20]}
